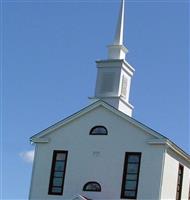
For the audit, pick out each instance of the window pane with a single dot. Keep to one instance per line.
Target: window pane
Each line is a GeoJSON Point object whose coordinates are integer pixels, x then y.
{"type": "Point", "coordinates": [57, 181]}
{"type": "Point", "coordinates": [133, 158]}
{"type": "Point", "coordinates": [56, 189]}
{"type": "Point", "coordinates": [131, 176]}
{"type": "Point", "coordinates": [99, 130]}
{"type": "Point", "coordinates": [59, 166]}
{"type": "Point", "coordinates": [130, 185]}
{"type": "Point", "coordinates": [92, 186]}
{"type": "Point", "coordinates": [129, 193]}
{"type": "Point", "coordinates": [95, 186]}
{"type": "Point", "coordinates": [60, 156]}
{"type": "Point", "coordinates": [58, 174]}
{"type": "Point", "coordinates": [132, 168]}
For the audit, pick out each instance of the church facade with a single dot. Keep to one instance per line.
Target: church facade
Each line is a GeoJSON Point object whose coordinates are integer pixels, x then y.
{"type": "Point", "coordinates": [101, 152]}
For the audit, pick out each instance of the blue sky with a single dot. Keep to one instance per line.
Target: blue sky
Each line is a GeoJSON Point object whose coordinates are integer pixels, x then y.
{"type": "Point", "coordinates": [48, 58]}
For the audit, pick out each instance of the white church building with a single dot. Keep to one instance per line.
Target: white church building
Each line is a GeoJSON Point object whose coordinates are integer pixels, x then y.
{"type": "Point", "coordinates": [102, 152]}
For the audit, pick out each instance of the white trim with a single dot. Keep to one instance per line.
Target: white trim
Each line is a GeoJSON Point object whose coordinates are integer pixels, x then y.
{"type": "Point", "coordinates": [118, 46]}
{"type": "Point", "coordinates": [179, 151]}
{"type": "Point", "coordinates": [65, 121]}
{"type": "Point", "coordinates": [40, 140]}
{"type": "Point", "coordinates": [33, 170]}
{"type": "Point", "coordinates": [170, 145]}
{"type": "Point", "coordinates": [79, 197]}
{"type": "Point", "coordinates": [126, 66]}
{"type": "Point", "coordinates": [162, 173]}
{"type": "Point", "coordinates": [126, 103]}
{"type": "Point", "coordinates": [157, 142]}
{"type": "Point", "coordinates": [115, 97]}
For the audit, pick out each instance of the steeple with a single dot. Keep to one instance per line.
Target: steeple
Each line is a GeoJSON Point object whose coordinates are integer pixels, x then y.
{"type": "Point", "coordinates": [114, 74]}
{"type": "Point", "coordinates": [118, 40]}
{"type": "Point", "coordinates": [117, 50]}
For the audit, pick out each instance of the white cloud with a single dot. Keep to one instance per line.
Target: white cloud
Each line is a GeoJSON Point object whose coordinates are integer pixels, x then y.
{"type": "Point", "coordinates": [27, 156]}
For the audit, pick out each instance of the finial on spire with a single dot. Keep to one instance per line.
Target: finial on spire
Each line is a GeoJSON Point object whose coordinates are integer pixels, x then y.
{"type": "Point", "coordinates": [117, 50]}
{"type": "Point", "coordinates": [118, 40]}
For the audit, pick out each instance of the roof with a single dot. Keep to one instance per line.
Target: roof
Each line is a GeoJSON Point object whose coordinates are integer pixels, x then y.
{"type": "Point", "coordinates": [160, 139]}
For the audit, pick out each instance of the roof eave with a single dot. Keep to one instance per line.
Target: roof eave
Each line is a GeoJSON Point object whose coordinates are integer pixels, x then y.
{"type": "Point", "coordinates": [171, 146]}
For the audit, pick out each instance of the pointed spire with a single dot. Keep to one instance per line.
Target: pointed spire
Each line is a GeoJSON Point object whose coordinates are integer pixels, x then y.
{"type": "Point", "coordinates": [118, 40]}
{"type": "Point", "coordinates": [117, 50]}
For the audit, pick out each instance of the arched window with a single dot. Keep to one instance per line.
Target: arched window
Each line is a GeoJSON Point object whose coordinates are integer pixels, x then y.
{"type": "Point", "coordinates": [98, 130]}
{"type": "Point", "coordinates": [92, 187]}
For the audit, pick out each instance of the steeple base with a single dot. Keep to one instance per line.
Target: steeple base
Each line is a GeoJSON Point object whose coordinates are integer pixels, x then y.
{"type": "Point", "coordinates": [117, 102]}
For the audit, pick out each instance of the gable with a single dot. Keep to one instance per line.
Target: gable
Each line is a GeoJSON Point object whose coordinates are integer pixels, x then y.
{"type": "Point", "coordinates": [116, 118]}
{"type": "Point", "coordinates": [83, 112]}
{"type": "Point", "coordinates": [77, 133]}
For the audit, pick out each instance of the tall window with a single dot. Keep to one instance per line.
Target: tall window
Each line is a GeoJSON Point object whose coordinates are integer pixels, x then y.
{"type": "Point", "coordinates": [131, 175]}
{"type": "Point", "coordinates": [57, 172]}
{"type": "Point", "coordinates": [179, 182]}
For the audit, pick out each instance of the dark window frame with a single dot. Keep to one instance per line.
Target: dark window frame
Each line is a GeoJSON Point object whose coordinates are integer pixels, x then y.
{"type": "Point", "coordinates": [179, 182]}
{"type": "Point", "coordinates": [55, 152]}
{"type": "Point", "coordinates": [189, 192]}
{"type": "Point", "coordinates": [125, 172]}
{"type": "Point", "coordinates": [95, 127]}
{"type": "Point", "coordinates": [92, 182]}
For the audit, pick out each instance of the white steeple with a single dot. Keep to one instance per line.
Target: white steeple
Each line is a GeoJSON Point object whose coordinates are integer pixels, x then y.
{"type": "Point", "coordinates": [114, 74]}
{"type": "Point", "coordinates": [117, 50]}
{"type": "Point", "coordinates": [118, 40]}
